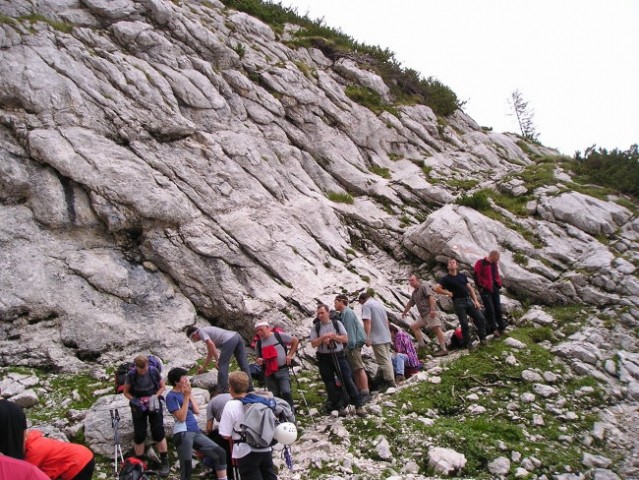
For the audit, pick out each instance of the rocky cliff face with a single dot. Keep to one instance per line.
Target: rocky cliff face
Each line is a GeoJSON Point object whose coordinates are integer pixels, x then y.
{"type": "Point", "coordinates": [163, 160]}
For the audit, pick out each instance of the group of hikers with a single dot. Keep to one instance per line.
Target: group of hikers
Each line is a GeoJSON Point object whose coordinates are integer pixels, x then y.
{"type": "Point", "coordinates": [338, 336]}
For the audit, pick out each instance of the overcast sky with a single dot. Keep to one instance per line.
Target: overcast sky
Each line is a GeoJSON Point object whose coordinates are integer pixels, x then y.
{"type": "Point", "coordinates": [576, 62]}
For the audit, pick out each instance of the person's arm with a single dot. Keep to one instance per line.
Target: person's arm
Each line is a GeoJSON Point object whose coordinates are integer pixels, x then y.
{"type": "Point", "coordinates": [473, 295]}
{"type": "Point", "coordinates": [162, 387]}
{"type": "Point", "coordinates": [209, 425]}
{"type": "Point", "coordinates": [432, 302]}
{"type": "Point", "coordinates": [127, 391]}
{"type": "Point", "coordinates": [441, 291]}
{"type": "Point", "coordinates": [407, 308]}
{"type": "Point", "coordinates": [211, 354]}
{"type": "Point", "coordinates": [367, 329]}
{"type": "Point", "coordinates": [339, 336]}
{"type": "Point", "coordinates": [295, 342]}
{"type": "Point", "coordinates": [180, 414]}
{"type": "Point", "coordinates": [326, 338]}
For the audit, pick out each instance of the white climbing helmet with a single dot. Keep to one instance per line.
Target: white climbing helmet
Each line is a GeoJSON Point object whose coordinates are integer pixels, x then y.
{"type": "Point", "coordinates": [286, 433]}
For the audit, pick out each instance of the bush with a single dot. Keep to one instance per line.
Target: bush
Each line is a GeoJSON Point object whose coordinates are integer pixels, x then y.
{"type": "Point", "coordinates": [616, 169]}
{"type": "Point", "coordinates": [339, 197]}
{"type": "Point", "coordinates": [478, 200]}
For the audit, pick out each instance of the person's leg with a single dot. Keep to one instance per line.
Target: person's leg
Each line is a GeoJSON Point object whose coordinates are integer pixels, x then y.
{"type": "Point", "coordinates": [249, 466]}
{"type": "Point", "coordinates": [399, 363]}
{"type": "Point", "coordinates": [416, 328]}
{"type": "Point", "coordinates": [226, 352]}
{"type": "Point", "coordinates": [242, 359]}
{"type": "Point", "coordinates": [156, 421]}
{"type": "Point", "coordinates": [139, 430]}
{"type": "Point", "coordinates": [441, 338]}
{"type": "Point", "coordinates": [478, 320]}
{"type": "Point", "coordinates": [489, 310]}
{"type": "Point", "coordinates": [383, 360]}
{"type": "Point", "coordinates": [327, 373]}
{"type": "Point", "coordinates": [499, 319]}
{"type": "Point", "coordinates": [183, 443]}
{"type": "Point", "coordinates": [87, 472]}
{"type": "Point", "coordinates": [267, 468]}
{"type": "Point", "coordinates": [211, 450]}
{"type": "Point", "coordinates": [225, 444]}
{"type": "Point", "coordinates": [349, 384]}
{"type": "Point", "coordinates": [354, 356]}
{"type": "Point", "coordinates": [284, 385]}
{"type": "Point", "coordinates": [460, 311]}
{"type": "Point", "coordinates": [272, 385]}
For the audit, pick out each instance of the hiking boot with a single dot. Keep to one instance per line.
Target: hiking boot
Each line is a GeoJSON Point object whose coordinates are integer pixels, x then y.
{"type": "Point", "coordinates": [441, 353]}
{"type": "Point", "coordinates": [360, 412]}
{"type": "Point", "coordinates": [343, 412]}
{"type": "Point", "coordinates": [164, 467]}
{"type": "Point", "coordinates": [483, 342]}
{"type": "Point", "coordinates": [366, 397]}
{"type": "Point", "coordinates": [400, 378]}
{"type": "Point", "coordinates": [496, 334]}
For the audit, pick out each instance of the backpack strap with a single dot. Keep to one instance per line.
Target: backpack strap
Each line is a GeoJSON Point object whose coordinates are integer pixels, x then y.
{"type": "Point", "coordinates": [278, 337]}
{"type": "Point", "coordinates": [335, 326]}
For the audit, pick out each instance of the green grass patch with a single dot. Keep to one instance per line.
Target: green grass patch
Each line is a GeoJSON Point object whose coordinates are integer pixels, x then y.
{"type": "Point", "coordinates": [462, 184]}
{"type": "Point", "coordinates": [340, 197]}
{"type": "Point", "coordinates": [478, 200]}
{"type": "Point", "coordinates": [381, 171]}
{"type": "Point", "coordinates": [63, 27]}
{"type": "Point", "coordinates": [370, 99]}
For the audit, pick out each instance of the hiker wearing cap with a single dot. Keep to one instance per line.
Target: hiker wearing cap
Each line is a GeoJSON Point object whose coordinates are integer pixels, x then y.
{"type": "Point", "coordinates": [378, 337]}
{"type": "Point", "coordinates": [456, 286]}
{"type": "Point", "coordinates": [426, 303]}
{"type": "Point", "coordinates": [275, 358]}
{"type": "Point", "coordinates": [221, 345]}
{"type": "Point", "coordinates": [356, 340]}
{"type": "Point", "coordinates": [329, 336]}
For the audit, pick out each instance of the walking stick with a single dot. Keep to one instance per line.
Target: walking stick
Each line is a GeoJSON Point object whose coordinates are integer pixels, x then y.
{"type": "Point", "coordinates": [115, 423]}
{"type": "Point", "coordinates": [299, 387]}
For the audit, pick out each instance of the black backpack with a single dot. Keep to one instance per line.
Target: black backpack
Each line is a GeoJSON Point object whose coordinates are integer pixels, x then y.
{"type": "Point", "coordinates": [278, 337]}
{"type": "Point", "coordinates": [334, 316]}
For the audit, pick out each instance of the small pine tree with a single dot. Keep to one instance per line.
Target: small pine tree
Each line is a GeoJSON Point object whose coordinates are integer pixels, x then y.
{"type": "Point", "coordinates": [524, 115]}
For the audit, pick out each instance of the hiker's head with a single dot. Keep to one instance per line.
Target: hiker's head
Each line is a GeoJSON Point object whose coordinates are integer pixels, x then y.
{"type": "Point", "coordinates": [363, 297]}
{"type": "Point", "coordinates": [323, 313]}
{"type": "Point", "coordinates": [493, 256]}
{"type": "Point", "coordinates": [393, 329]}
{"type": "Point", "coordinates": [13, 424]}
{"type": "Point", "coordinates": [413, 281]}
{"type": "Point", "coordinates": [452, 265]}
{"type": "Point", "coordinates": [193, 333]}
{"type": "Point", "coordinates": [175, 376]}
{"type": "Point", "coordinates": [263, 329]}
{"type": "Point", "coordinates": [141, 364]}
{"type": "Point", "coordinates": [238, 383]}
{"type": "Point", "coordinates": [341, 302]}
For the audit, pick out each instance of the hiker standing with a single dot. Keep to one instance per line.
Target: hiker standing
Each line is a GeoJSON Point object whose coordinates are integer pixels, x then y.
{"type": "Point", "coordinates": [186, 431]}
{"type": "Point", "coordinates": [426, 302]}
{"type": "Point", "coordinates": [356, 340]}
{"type": "Point", "coordinates": [456, 286]}
{"type": "Point", "coordinates": [275, 358]}
{"type": "Point", "coordinates": [329, 337]}
{"type": "Point", "coordinates": [144, 387]}
{"type": "Point", "coordinates": [488, 282]}
{"type": "Point", "coordinates": [378, 336]}
{"type": "Point", "coordinates": [253, 463]}
{"type": "Point", "coordinates": [221, 345]}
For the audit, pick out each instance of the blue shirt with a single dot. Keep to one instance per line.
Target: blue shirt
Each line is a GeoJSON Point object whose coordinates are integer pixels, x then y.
{"type": "Point", "coordinates": [174, 401]}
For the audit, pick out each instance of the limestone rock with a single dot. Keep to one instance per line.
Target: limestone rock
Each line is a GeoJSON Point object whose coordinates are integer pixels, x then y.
{"type": "Point", "coordinates": [446, 461]}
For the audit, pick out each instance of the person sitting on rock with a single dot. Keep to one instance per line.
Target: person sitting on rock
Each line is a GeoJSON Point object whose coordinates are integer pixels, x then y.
{"type": "Point", "coordinates": [143, 387]}
{"type": "Point", "coordinates": [405, 361]}
{"type": "Point", "coordinates": [456, 286]}
{"type": "Point", "coordinates": [186, 431]}
{"type": "Point", "coordinates": [214, 410]}
{"type": "Point", "coordinates": [221, 345]}
{"type": "Point", "coordinates": [275, 358]}
{"type": "Point", "coordinates": [57, 459]}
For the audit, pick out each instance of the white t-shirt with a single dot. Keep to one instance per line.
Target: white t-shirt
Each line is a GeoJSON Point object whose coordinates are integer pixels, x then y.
{"type": "Point", "coordinates": [233, 413]}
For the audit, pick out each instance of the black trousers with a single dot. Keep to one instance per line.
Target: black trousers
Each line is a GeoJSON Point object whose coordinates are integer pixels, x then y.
{"type": "Point", "coordinates": [333, 365]}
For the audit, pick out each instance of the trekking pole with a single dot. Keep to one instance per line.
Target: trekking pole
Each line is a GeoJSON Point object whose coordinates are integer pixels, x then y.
{"type": "Point", "coordinates": [299, 386]}
{"type": "Point", "coordinates": [338, 370]}
{"type": "Point", "coordinates": [115, 423]}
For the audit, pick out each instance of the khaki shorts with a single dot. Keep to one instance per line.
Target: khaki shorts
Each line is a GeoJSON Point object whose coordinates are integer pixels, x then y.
{"type": "Point", "coordinates": [428, 320]}
{"type": "Point", "coordinates": [354, 357]}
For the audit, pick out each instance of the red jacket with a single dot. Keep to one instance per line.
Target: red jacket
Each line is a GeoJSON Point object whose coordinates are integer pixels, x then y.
{"type": "Point", "coordinates": [56, 458]}
{"type": "Point", "coordinates": [484, 275]}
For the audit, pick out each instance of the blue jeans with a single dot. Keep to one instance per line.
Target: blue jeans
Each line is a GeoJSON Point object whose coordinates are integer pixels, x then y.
{"type": "Point", "coordinates": [464, 308]}
{"type": "Point", "coordinates": [399, 360]}
{"type": "Point", "coordinates": [492, 305]}
{"type": "Point", "coordinates": [279, 384]}
{"type": "Point", "coordinates": [233, 347]}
